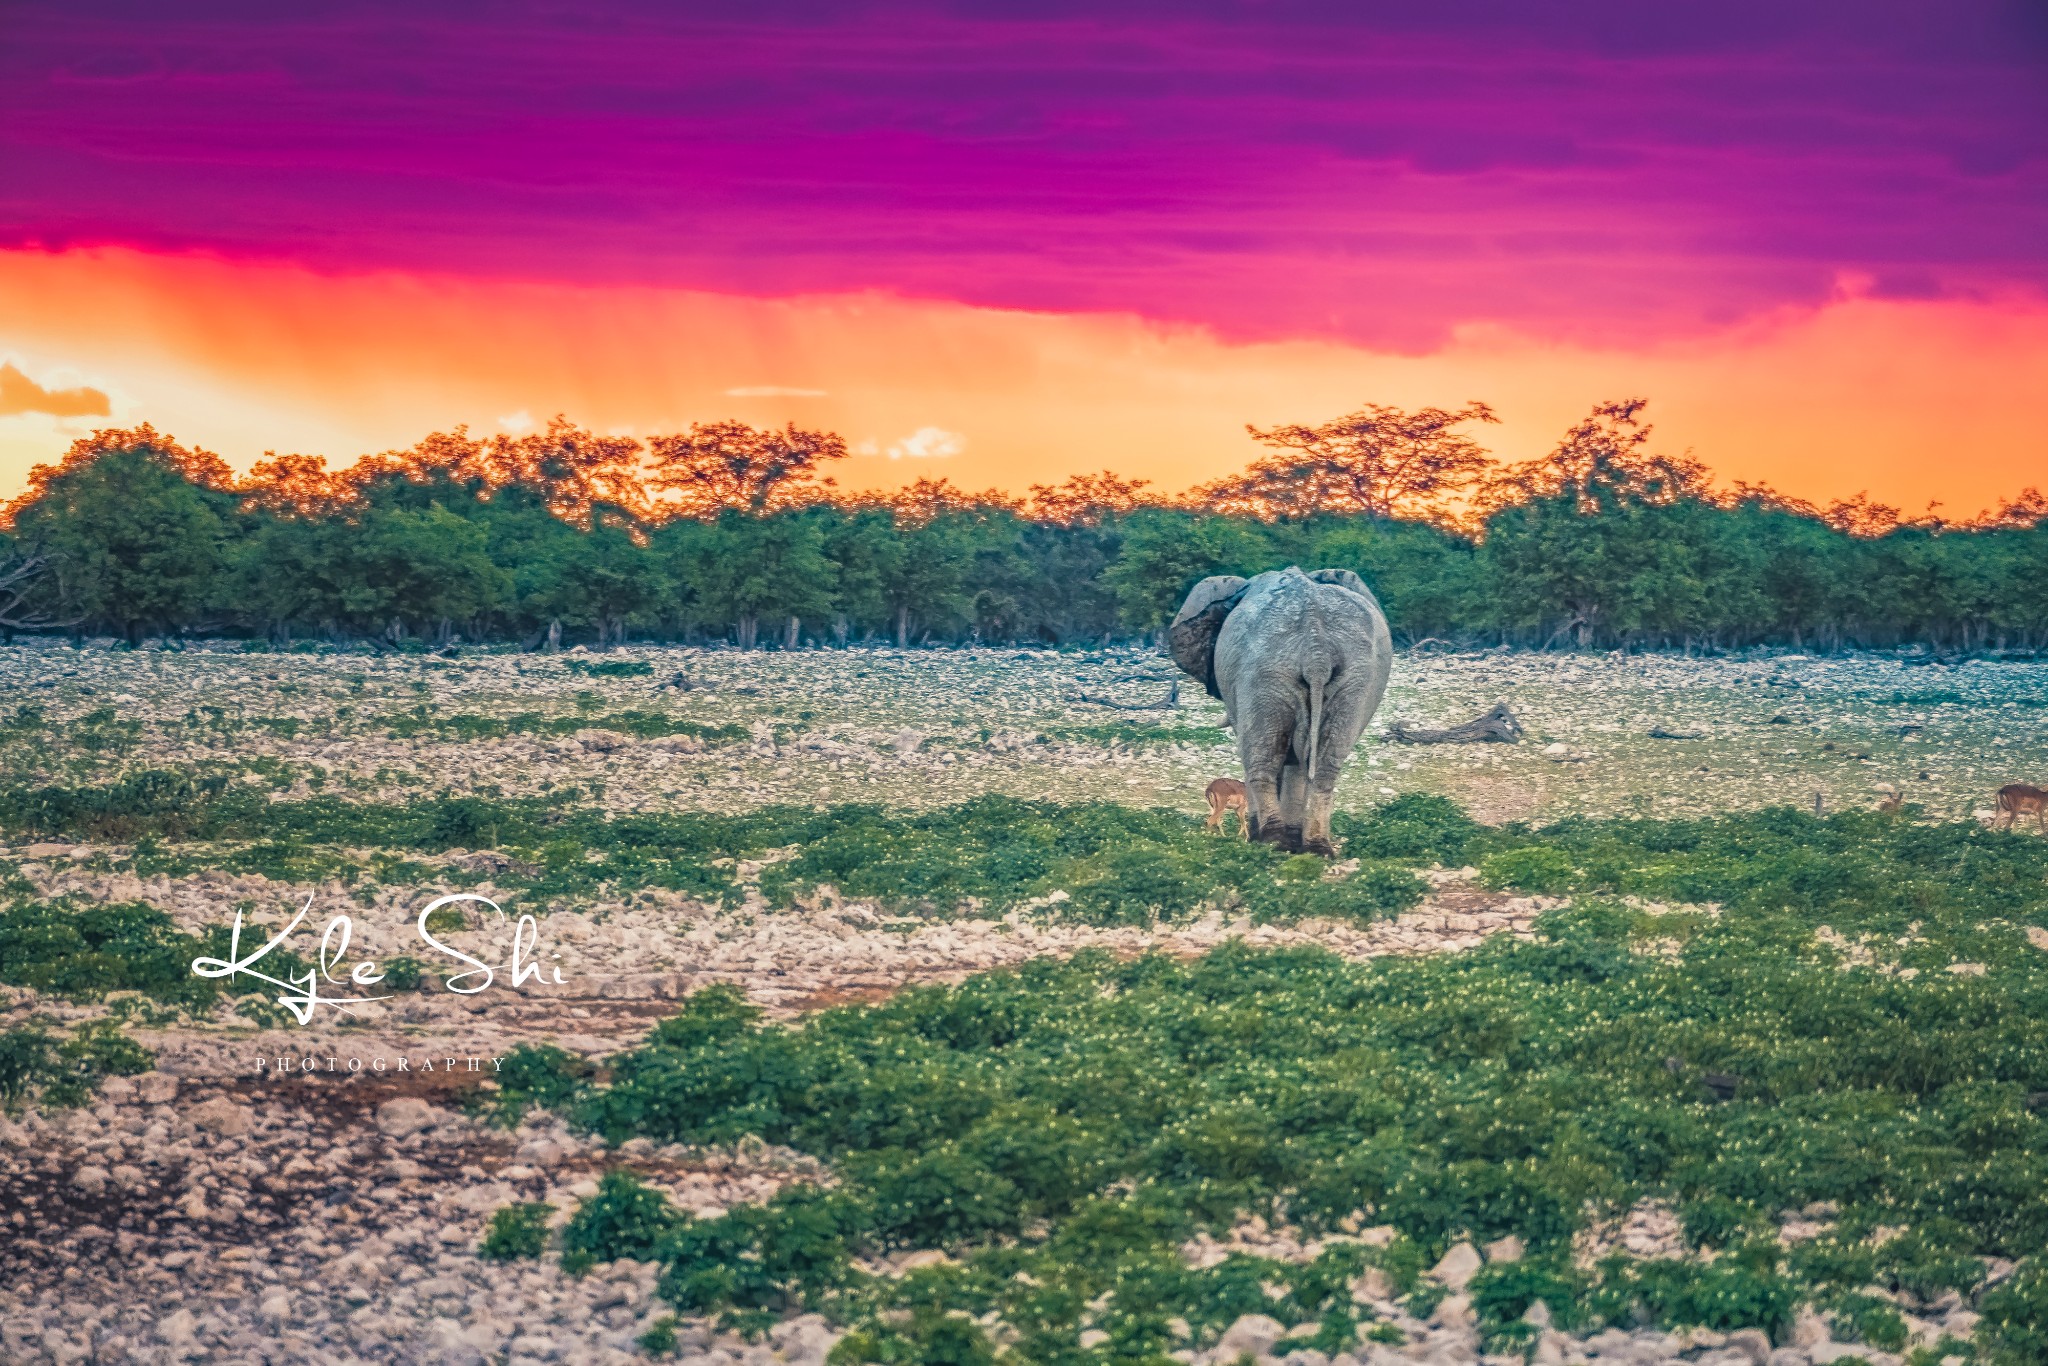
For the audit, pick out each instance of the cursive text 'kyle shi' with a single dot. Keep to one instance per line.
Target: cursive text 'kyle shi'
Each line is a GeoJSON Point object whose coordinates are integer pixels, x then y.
{"type": "Point", "coordinates": [304, 992]}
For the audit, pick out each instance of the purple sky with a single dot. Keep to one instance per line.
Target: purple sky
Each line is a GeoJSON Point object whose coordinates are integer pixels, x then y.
{"type": "Point", "coordinates": [1378, 173]}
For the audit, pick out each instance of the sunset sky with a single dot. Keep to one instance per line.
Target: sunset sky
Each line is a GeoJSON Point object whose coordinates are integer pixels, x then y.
{"type": "Point", "coordinates": [1003, 243]}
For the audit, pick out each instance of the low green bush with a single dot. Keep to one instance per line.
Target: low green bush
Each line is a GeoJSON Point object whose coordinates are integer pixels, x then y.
{"type": "Point", "coordinates": [65, 1072]}
{"type": "Point", "coordinates": [610, 668]}
{"type": "Point", "coordinates": [1074, 1122]}
{"type": "Point", "coordinates": [542, 1075]}
{"type": "Point", "coordinates": [2015, 1323]}
{"type": "Point", "coordinates": [626, 1218]}
{"type": "Point", "coordinates": [516, 1231]}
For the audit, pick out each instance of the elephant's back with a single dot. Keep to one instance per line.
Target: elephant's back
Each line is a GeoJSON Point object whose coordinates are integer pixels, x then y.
{"type": "Point", "coordinates": [1286, 616]}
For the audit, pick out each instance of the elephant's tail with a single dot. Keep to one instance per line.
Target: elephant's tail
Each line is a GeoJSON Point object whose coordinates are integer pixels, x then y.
{"type": "Point", "coordinates": [1310, 716]}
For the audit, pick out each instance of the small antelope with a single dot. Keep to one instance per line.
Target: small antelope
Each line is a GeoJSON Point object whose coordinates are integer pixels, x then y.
{"type": "Point", "coordinates": [1227, 794]}
{"type": "Point", "coordinates": [2015, 800]}
{"type": "Point", "coordinates": [1889, 799]}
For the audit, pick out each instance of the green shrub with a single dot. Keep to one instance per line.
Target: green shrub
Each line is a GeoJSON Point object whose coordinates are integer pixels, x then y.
{"type": "Point", "coordinates": [2015, 1322]}
{"type": "Point", "coordinates": [542, 1075]}
{"type": "Point", "coordinates": [626, 1218]}
{"type": "Point", "coordinates": [1416, 826]}
{"type": "Point", "coordinates": [660, 1338]}
{"type": "Point", "coordinates": [1535, 869]}
{"type": "Point", "coordinates": [168, 803]}
{"type": "Point", "coordinates": [516, 1231]}
{"type": "Point", "coordinates": [1745, 1290]}
{"type": "Point", "coordinates": [611, 668]}
{"type": "Point", "coordinates": [24, 1060]}
{"type": "Point", "coordinates": [63, 1073]}
{"type": "Point", "coordinates": [85, 952]}
{"type": "Point", "coordinates": [1503, 1291]}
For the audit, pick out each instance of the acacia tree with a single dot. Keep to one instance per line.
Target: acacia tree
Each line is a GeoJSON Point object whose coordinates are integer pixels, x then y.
{"type": "Point", "coordinates": [574, 471]}
{"type": "Point", "coordinates": [1601, 529]}
{"type": "Point", "coordinates": [1087, 500]}
{"type": "Point", "coordinates": [1168, 551]}
{"type": "Point", "coordinates": [131, 526]}
{"type": "Point", "coordinates": [742, 569]}
{"type": "Point", "coordinates": [1377, 462]}
{"type": "Point", "coordinates": [728, 466]}
{"type": "Point", "coordinates": [603, 576]}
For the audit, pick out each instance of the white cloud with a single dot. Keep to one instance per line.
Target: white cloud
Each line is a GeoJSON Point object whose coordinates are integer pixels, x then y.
{"type": "Point", "coordinates": [772, 391]}
{"type": "Point", "coordinates": [928, 443]}
{"type": "Point", "coordinates": [521, 421]}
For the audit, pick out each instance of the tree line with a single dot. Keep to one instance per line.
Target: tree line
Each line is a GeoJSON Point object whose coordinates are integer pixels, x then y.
{"type": "Point", "coordinates": [730, 533]}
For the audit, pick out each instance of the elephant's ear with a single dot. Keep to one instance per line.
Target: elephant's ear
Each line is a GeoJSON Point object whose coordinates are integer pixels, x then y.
{"type": "Point", "coordinates": [1192, 637]}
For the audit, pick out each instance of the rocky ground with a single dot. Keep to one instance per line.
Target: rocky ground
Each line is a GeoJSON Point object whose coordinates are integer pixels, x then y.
{"type": "Point", "coordinates": [231, 1206]}
{"type": "Point", "coordinates": [335, 1214]}
{"type": "Point", "coordinates": [1606, 735]}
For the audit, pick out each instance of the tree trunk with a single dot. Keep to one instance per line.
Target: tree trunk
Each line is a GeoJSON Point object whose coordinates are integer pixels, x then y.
{"type": "Point", "coordinates": [789, 634]}
{"type": "Point", "coordinates": [839, 628]}
{"type": "Point", "coordinates": [902, 627]}
{"type": "Point", "coordinates": [554, 640]}
{"type": "Point", "coordinates": [748, 629]}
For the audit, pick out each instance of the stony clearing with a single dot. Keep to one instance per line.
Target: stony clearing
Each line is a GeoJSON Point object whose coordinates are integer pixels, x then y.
{"type": "Point", "coordinates": [230, 1206]}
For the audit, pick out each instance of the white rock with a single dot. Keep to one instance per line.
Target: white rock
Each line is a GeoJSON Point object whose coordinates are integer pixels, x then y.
{"type": "Point", "coordinates": [1254, 1333]}
{"type": "Point", "coordinates": [405, 1115]}
{"type": "Point", "coordinates": [805, 1340]}
{"type": "Point", "coordinates": [1372, 1287]}
{"type": "Point", "coordinates": [1752, 1343]}
{"type": "Point", "coordinates": [176, 1328]}
{"type": "Point", "coordinates": [1808, 1329]}
{"type": "Point", "coordinates": [446, 1343]}
{"type": "Point", "coordinates": [156, 1088]}
{"type": "Point", "coordinates": [1508, 1249]}
{"type": "Point", "coordinates": [1458, 1266]}
{"type": "Point", "coordinates": [222, 1116]}
{"type": "Point", "coordinates": [90, 1178]}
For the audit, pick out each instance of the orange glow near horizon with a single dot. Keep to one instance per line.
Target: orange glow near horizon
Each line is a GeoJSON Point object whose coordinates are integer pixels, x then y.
{"type": "Point", "coordinates": [1910, 401]}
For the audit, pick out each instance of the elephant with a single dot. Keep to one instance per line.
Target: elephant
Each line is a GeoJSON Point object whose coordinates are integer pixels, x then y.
{"type": "Point", "coordinates": [1300, 662]}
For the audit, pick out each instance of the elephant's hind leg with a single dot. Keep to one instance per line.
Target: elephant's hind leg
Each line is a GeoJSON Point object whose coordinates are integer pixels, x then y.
{"type": "Point", "coordinates": [1316, 831]}
{"type": "Point", "coordinates": [1293, 806]}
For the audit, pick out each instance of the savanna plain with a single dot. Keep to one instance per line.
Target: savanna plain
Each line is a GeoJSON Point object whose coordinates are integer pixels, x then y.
{"type": "Point", "coordinates": [909, 1014]}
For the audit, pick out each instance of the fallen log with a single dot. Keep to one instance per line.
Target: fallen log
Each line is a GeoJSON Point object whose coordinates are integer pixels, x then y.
{"type": "Point", "coordinates": [1660, 733]}
{"type": "Point", "coordinates": [1171, 700]}
{"type": "Point", "coordinates": [1498, 726]}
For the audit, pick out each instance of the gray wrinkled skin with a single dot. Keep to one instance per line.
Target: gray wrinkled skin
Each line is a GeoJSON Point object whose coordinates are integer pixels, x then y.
{"type": "Point", "coordinates": [1301, 662]}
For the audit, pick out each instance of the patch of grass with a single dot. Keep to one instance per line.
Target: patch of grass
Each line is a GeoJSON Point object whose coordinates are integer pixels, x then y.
{"type": "Point", "coordinates": [63, 1072]}
{"type": "Point", "coordinates": [83, 953]}
{"type": "Point", "coordinates": [516, 1231]}
{"type": "Point", "coordinates": [611, 668]}
{"type": "Point", "coordinates": [1141, 733]}
{"type": "Point", "coordinates": [626, 1218]}
{"type": "Point", "coordinates": [1074, 1121]}
{"type": "Point", "coordinates": [468, 726]}
{"type": "Point", "coordinates": [537, 1074]}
